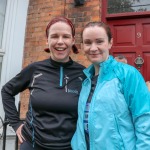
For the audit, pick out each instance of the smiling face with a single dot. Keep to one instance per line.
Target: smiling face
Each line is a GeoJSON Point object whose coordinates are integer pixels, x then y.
{"type": "Point", "coordinates": [60, 41]}
{"type": "Point", "coordinates": [96, 45]}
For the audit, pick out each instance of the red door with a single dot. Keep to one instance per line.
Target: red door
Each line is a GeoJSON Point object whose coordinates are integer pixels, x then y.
{"type": "Point", "coordinates": [132, 39]}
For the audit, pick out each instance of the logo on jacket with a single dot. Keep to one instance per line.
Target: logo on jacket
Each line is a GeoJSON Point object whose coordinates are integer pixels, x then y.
{"type": "Point", "coordinates": [72, 91]}
{"type": "Point", "coordinates": [69, 90]}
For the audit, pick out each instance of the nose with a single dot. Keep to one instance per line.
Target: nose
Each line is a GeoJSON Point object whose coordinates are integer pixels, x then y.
{"type": "Point", "coordinates": [60, 40]}
{"type": "Point", "coordinates": [93, 47]}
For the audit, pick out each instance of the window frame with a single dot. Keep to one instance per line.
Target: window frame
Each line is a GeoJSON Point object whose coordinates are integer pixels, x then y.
{"type": "Point", "coordinates": [3, 27]}
{"type": "Point", "coordinates": [106, 16]}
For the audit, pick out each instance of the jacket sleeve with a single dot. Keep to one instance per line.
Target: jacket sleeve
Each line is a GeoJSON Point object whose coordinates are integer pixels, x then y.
{"type": "Point", "coordinates": [16, 85]}
{"type": "Point", "coordinates": [138, 99]}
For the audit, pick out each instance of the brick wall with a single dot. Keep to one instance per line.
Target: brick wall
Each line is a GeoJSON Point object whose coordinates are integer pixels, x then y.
{"type": "Point", "coordinates": [40, 13]}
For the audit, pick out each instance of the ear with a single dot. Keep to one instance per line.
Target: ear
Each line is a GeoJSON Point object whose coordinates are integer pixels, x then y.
{"type": "Point", "coordinates": [82, 49]}
{"type": "Point", "coordinates": [47, 42]}
{"type": "Point", "coordinates": [82, 46]}
{"type": "Point", "coordinates": [110, 43]}
{"type": "Point", "coordinates": [73, 41]}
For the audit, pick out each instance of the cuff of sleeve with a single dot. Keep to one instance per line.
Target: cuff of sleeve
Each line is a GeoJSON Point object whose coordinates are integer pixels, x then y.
{"type": "Point", "coordinates": [17, 125]}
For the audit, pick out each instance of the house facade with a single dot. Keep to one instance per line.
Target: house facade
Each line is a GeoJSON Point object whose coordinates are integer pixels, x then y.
{"type": "Point", "coordinates": [13, 18]}
{"type": "Point", "coordinates": [22, 35]}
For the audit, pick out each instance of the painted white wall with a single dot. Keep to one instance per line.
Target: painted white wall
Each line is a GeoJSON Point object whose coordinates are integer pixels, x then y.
{"type": "Point", "coordinates": [12, 50]}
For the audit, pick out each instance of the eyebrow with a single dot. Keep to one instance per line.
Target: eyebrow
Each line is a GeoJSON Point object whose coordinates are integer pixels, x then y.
{"type": "Point", "coordinates": [57, 34]}
{"type": "Point", "coordinates": [95, 39]}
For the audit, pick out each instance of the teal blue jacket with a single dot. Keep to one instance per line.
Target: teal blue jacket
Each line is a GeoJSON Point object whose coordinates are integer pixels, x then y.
{"type": "Point", "coordinates": [119, 115]}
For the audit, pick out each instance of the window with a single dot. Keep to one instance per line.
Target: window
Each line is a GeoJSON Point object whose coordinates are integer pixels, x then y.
{"type": "Point", "coordinates": [2, 18]}
{"type": "Point", "coordinates": [122, 6]}
{"type": "Point", "coordinates": [1, 58]}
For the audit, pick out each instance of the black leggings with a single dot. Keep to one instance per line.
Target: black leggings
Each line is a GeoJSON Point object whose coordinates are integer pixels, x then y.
{"type": "Point", "coordinates": [28, 146]}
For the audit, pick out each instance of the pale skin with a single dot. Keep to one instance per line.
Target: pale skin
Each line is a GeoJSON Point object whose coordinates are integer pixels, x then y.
{"type": "Point", "coordinates": [96, 45]}
{"type": "Point", "coordinates": [60, 42]}
{"type": "Point", "coordinates": [19, 134]}
{"type": "Point", "coordinates": [121, 60]}
{"type": "Point", "coordinates": [148, 85]}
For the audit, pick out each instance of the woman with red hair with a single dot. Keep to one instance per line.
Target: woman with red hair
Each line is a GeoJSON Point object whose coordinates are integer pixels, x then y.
{"type": "Point", "coordinates": [54, 86]}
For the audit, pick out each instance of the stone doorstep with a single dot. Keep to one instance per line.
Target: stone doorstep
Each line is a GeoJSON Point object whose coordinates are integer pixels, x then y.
{"type": "Point", "coordinates": [10, 142]}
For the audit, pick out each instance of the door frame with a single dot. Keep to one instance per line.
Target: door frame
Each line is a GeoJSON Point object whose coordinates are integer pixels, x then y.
{"type": "Point", "coordinates": [13, 44]}
{"type": "Point", "coordinates": [121, 16]}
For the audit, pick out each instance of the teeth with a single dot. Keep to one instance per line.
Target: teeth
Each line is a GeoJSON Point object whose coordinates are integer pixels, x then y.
{"type": "Point", "coordinates": [60, 49]}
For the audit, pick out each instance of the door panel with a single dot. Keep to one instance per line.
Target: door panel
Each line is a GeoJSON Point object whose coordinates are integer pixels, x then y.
{"type": "Point", "coordinates": [146, 34]}
{"type": "Point", "coordinates": [121, 39]}
{"type": "Point", "coordinates": [132, 39]}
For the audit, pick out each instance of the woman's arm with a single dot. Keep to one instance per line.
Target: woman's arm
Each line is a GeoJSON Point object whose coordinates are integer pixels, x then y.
{"type": "Point", "coordinates": [138, 99]}
{"type": "Point", "coordinates": [16, 85]}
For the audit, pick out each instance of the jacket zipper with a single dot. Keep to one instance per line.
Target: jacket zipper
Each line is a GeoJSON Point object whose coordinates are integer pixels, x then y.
{"type": "Point", "coordinates": [91, 120]}
{"type": "Point", "coordinates": [61, 76]}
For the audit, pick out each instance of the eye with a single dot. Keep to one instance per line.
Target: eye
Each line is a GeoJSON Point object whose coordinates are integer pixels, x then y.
{"type": "Point", "coordinates": [54, 36]}
{"type": "Point", "coordinates": [87, 42]}
{"type": "Point", "coordinates": [67, 36]}
{"type": "Point", "coordinates": [99, 41]}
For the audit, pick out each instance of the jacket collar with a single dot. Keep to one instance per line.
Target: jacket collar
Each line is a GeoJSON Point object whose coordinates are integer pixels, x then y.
{"type": "Point", "coordinates": [58, 64]}
{"type": "Point", "coordinates": [105, 67]}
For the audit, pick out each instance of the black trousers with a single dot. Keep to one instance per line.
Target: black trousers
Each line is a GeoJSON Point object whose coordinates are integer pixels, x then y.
{"type": "Point", "coordinates": [28, 146]}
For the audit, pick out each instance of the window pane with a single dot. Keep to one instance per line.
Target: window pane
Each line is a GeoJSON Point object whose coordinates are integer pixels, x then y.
{"type": "Point", "coordinates": [2, 17]}
{"type": "Point", "coordinates": [122, 6]}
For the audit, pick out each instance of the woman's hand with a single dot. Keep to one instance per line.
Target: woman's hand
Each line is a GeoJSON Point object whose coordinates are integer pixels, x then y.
{"type": "Point", "coordinates": [19, 134]}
